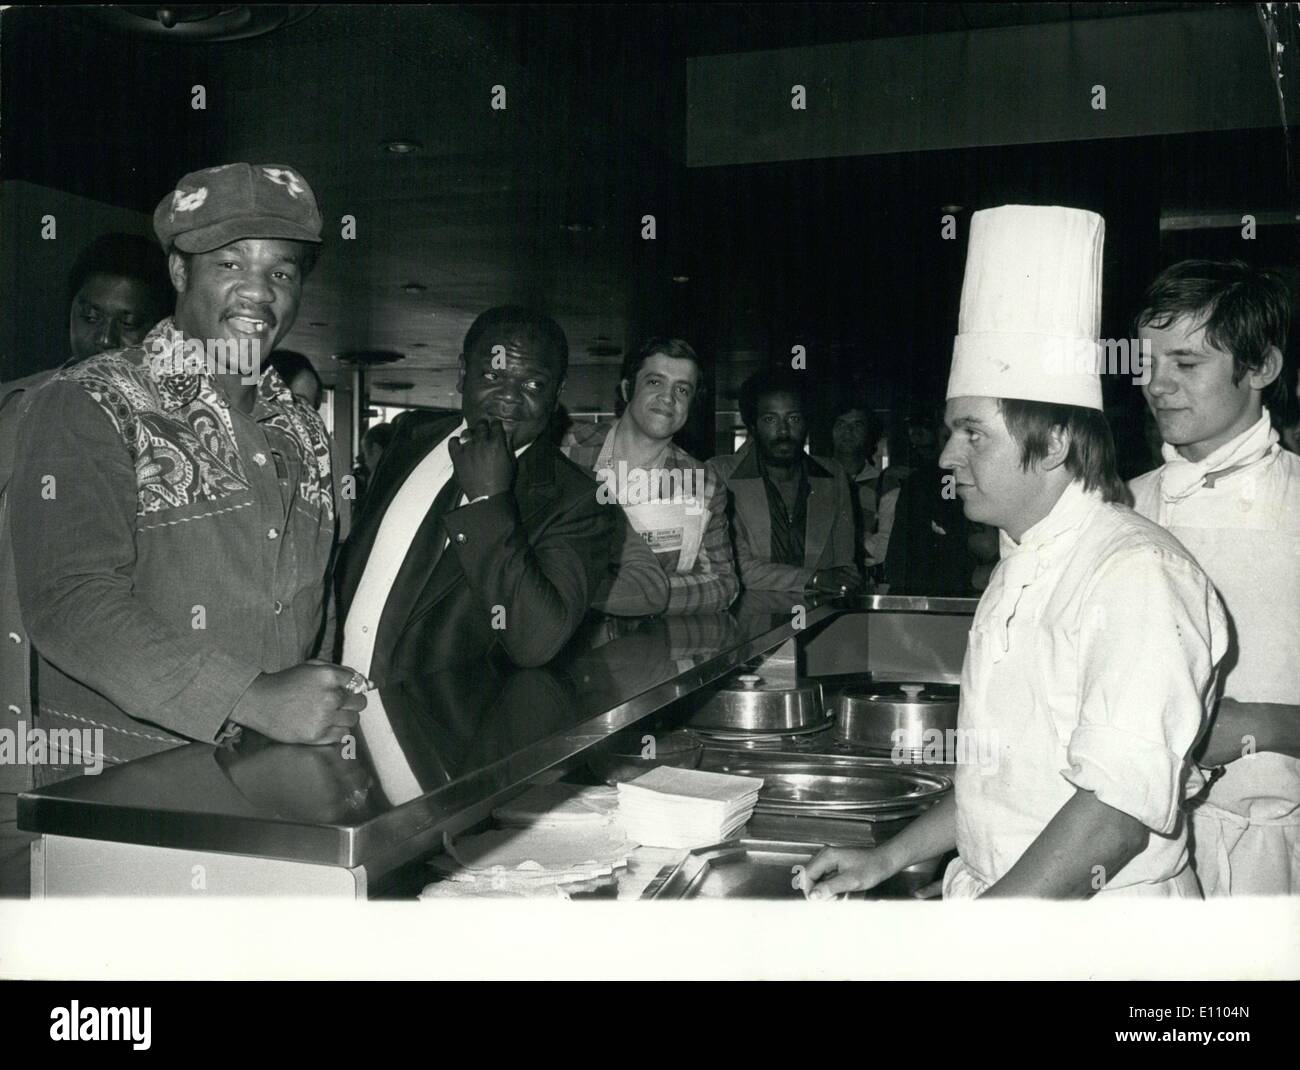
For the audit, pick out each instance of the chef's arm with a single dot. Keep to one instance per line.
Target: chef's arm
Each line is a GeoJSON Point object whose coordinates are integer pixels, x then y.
{"type": "Point", "coordinates": [932, 834]}
{"type": "Point", "coordinates": [1241, 728]}
{"type": "Point", "coordinates": [1082, 847]}
{"type": "Point", "coordinates": [854, 869]}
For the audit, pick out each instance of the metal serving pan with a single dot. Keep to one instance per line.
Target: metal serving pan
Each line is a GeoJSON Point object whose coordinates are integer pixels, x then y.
{"type": "Point", "coordinates": [747, 704]}
{"type": "Point", "coordinates": [806, 783]}
{"type": "Point", "coordinates": [738, 869]}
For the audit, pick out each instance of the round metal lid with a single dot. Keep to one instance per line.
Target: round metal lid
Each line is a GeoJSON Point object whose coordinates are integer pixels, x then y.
{"type": "Point", "coordinates": [904, 694]}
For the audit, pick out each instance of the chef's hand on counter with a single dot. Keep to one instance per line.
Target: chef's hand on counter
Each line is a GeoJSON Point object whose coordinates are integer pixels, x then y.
{"type": "Point", "coordinates": [835, 870]}
{"type": "Point", "coordinates": [831, 580]}
{"type": "Point", "coordinates": [482, 459]}
{"type": "Point", "coordinates": [855, 869]}
{"type": "Point", "coordinates": [308, 703]}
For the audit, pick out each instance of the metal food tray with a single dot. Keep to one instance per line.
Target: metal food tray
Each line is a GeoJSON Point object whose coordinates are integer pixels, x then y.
{"type": "Point", "coordinates": [803, 783]}
{"type": "Point", "coordinates": [737, 869]}
{"type": "Point", "coordinates": [744, 736]}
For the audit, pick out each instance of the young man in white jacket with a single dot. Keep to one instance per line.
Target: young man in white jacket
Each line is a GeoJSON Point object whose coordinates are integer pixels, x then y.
{"type": "Point", "coordinates": [1217, 332]}
{"type": "Point", "coordinates": [1090, 666]}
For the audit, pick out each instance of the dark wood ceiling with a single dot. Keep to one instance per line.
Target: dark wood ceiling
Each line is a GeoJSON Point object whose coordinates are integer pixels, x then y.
{"type": "Point", "coordinates": [542, 202]}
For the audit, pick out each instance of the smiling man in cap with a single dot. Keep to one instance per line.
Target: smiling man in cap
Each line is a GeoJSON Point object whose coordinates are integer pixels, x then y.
{"type": "Point", "coordinates": [174, 518]}
{"type": "Point", "coordinates": [1091, 660]}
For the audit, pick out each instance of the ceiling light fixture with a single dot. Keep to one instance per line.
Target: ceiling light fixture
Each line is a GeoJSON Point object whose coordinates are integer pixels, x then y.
{"type": "Point", "coordinates": [401, 147]}
{"type": "Point", "coordinates": [414, 288]}
{"type": "Point", "coordinates": [189, 23]}
{"type": "Point", "coordinates": [681, 278]}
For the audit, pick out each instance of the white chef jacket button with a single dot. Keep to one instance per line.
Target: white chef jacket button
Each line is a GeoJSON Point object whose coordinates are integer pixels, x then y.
{"type": "Point", "coordinates": [278, 607]}
{"type": "Point", "coordinates": [14, 637]}
{"type": "Point", "coordinates": [365, 629]}
{"type": "Point", "coordinates": [273, 534]}
{"type": "Point", "coordinates": [259, 459]}
{"type": "Point", "coordinates": [460, 536]}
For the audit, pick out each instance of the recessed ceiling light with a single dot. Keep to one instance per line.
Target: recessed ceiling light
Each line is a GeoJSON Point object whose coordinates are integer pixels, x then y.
{"type": "Point", "coordinates": [951, 209]}
{"type": "Point", "coordinates": [577, 226]}
{"type": "Point", "coordinates": [414, 288]}
{"type": "Point", "coordinates": [401, 147]}
{"type": "Point", "coordinates": [681, 278]}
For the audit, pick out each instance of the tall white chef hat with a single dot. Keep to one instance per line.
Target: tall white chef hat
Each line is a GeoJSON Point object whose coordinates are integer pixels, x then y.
{"type": "Point", "coordinates": [1031, 307]}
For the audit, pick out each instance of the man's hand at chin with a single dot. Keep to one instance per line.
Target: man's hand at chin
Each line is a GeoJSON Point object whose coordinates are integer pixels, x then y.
{"type": "Point", "coordinates": [483, 460]}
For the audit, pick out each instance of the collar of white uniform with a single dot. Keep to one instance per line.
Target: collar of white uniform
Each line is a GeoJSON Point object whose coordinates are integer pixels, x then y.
{"type": "Point", "coordinates": [1023, 562]}
{"type": "Point", "coordinates": [1180, 478]}
{"type": "Point", "coordinates": [1072, 508]}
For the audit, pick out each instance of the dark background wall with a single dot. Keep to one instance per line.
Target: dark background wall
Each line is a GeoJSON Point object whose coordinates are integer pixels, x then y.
{"type": "Point", "coordinates": [809, 241]}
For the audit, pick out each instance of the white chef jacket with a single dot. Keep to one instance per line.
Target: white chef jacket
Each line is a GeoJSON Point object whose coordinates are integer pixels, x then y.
{"type": "Point", "coordinates": [1243, 526]}
{"type": "Point", "coordinates": [1090, 664]}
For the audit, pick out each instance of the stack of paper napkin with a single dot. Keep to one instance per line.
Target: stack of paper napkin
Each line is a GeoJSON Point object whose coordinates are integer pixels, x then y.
{"type": "Point", "coordinates": [685, 807]}
{"type": "Point", "coordinates": [534, 860]}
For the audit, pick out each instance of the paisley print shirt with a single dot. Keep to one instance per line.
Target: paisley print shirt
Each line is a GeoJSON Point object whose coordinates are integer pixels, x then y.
{"type": "Point", "coordinates": [169, 546]}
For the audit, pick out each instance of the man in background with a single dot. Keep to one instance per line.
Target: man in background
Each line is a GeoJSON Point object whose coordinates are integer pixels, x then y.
{"type": "Point", "coordinates": [913, 445]}
{"type": "Point", "coordinates": [373, 444]}
{"type": "Point", "coordinates": [117, 291]}
{"type": "Point", "coordinates": [300, 376]}
{"type": "Point", "coordinates": [791, 514]}
{"type": "Point", "coordinates": [854, 434]}
{"type": "Point", "coordinates": [1231, 495]}
{"type": "Point", "coordinates": [637, 462]}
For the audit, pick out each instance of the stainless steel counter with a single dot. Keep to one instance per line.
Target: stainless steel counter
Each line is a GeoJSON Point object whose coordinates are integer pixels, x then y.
{"type": "Point", "coordinates": [432, 753]}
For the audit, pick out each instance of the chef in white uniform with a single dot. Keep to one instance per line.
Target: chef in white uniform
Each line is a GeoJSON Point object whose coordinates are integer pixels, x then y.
{"type": "Point", "coordinates": [1231, 494]}
{"type": "Point", "coordinates": [1091, 660]}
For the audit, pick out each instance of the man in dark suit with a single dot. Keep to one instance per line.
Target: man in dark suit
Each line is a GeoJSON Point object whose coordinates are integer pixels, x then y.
{"type": "Point", "coordinates": [476, 531]}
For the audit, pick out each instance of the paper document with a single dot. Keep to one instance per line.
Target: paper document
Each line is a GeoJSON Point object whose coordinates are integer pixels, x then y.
{"type": "Point", "coordinates": [673, 530]}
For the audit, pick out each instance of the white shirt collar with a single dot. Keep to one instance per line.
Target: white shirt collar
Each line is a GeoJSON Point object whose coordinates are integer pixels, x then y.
{"type": "Point", "coordinates": [1071, 509]}
{"type": "Point", "coordinates": [1181, 477]}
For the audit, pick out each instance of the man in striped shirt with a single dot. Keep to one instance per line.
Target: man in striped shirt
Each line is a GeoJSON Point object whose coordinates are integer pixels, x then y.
{"type": "Point", "coordinates": [634, 458]}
